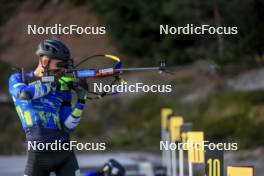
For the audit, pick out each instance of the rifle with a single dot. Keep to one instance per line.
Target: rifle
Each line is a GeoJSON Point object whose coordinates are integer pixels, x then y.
{"type": "Point", "coordinates": [115, 71]}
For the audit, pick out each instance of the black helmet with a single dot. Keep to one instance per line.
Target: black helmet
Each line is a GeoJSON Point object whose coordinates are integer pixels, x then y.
{"type": "Point", "coordinates": [53, 49]}
{"type": "Point", "coordinates": [113, 168]}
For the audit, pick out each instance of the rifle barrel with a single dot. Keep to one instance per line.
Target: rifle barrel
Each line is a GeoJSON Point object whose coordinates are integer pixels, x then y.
{"type": "Point", "coordinates": [137, 69]}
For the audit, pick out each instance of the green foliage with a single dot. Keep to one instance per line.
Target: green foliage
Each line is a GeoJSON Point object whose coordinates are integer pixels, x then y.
{"type": "Point", "coordinates": [141, 117]}
{"type": "Point", "coordinates": [232, 115]}
{"type": "Point", "coordinates": [6, 70]}
{"type": "Point", "coordinates": [134, 27]}
{"type": "Point", "coordinates": [12, 134]}
{"type": "Point", "coordinates": [228, 116]}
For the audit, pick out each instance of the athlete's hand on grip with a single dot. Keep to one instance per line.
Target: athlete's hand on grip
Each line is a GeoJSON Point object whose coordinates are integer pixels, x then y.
{"type": "Point", "coordinates": [82, 91]}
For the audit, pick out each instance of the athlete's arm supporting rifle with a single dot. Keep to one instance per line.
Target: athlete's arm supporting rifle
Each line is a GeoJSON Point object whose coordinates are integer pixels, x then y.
{"type": "Point", "coordinates": [71, 116]}
{"type": "Point", "coordinates": [23, 91]}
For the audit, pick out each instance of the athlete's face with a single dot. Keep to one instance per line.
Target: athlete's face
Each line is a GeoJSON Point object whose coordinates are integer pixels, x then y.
{"type": "Point", "coordinates": [53, 65]}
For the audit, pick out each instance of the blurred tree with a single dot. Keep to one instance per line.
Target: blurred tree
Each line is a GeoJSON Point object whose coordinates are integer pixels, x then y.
{"type": "Point", "coordinates": [259, 8]}
{"type": "Point", "coordinates": [134, 27]}
{"type": "Point", "coordinates": [7, 9]}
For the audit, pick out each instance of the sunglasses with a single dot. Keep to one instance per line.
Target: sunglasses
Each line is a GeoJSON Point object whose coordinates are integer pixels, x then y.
{"type": "Point", "coordinates": [62, 65]}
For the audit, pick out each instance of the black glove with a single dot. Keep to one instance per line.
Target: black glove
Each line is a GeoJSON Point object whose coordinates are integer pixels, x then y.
{"type": "Point", "coordinates": [82, 91]}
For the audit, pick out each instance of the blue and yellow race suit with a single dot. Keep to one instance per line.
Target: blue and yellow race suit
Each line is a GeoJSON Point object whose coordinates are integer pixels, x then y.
{"type": "Point", "coordinates": [47, 116]}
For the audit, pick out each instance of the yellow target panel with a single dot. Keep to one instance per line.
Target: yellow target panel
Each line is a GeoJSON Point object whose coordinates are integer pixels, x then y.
{"type": "Point", "coordinates": [240, 171]}
{"type": "Point", "coordinates": [175, 127]}
{"type": "Point", "coordinates": [165, 112]}
{"type": "Point", "coordinates": [196, 147]}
